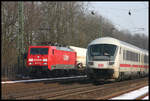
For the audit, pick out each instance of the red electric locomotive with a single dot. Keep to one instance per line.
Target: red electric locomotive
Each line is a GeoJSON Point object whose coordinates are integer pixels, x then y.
{"type": "Point", "coordinates": [47, 58]}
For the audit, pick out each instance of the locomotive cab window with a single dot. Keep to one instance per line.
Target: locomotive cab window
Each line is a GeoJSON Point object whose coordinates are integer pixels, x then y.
{"type": "Point", "coordinates": [42, 51]}
{"type": "Point", "coordinates": [103, 52]}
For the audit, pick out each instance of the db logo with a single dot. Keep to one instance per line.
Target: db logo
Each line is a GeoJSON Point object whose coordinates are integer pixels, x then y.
{"type": "Point", "coordinates": [66, 57]}
{"type": "Point", "coordinates": [100, 65]}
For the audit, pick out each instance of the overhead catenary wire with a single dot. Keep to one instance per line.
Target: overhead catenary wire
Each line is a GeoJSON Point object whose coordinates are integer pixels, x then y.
{"type": "Point", "coordinates": [130, 12]}
{"type": "Point", "coordinates": [120, 9]}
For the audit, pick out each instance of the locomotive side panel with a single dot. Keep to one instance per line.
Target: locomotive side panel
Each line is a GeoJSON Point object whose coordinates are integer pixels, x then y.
{"type": "Point", "coordinates": [64, 59]}
{"type": "Point", "coordinates": [50, 58]}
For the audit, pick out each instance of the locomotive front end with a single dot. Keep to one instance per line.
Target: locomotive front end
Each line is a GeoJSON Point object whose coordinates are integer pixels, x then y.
{"type": "Point", "coordinates": [101, 61]}
{"type": "Point", "coordinates": [38, 58]}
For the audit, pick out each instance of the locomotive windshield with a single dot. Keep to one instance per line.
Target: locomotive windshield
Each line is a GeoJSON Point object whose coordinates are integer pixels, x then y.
{"type": "Point", "coordinates": [102, 52]}
{"type": "Point", "coordinates": [42, 51]}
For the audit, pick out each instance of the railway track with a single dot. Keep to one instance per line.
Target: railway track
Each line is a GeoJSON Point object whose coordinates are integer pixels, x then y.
{"type": "Point", "coordinates": [105, 91]}
{"type": "Point", "coordinates": [17, 90]}
{"type": "Point", "coordinates": [82, 89]}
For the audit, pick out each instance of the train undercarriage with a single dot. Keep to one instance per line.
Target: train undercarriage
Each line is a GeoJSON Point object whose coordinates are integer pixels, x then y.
{"type": "Point", "coordinates": [43, 71]}
{"type": "Point", "coordinates": [108, 74]}
{"type": "Point", "coordinates": [99, 74]}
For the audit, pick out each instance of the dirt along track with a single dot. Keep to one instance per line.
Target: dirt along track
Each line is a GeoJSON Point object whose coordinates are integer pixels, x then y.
{"type": "Point", "coordinates": [69, 89]}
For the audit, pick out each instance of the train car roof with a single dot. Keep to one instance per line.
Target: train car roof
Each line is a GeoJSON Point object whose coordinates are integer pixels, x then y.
{"type": "Point", "coordinates": [53, 47]}
{"type": "Point", "coordinates": [39, 46]}
{"type": "Point", "coordinates": [78, 48]}
{"type": "Point", "coordinates": [110, 40]}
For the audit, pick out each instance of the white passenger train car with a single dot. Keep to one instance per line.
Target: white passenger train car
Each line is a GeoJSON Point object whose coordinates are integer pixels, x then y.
{"type": "Point", "coordinates": [110, 58]}
{"type": "Point", "coordinates": [81, 56]}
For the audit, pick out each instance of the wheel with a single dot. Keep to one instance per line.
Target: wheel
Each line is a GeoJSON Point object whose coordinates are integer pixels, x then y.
{"type": "Point", "coordinates": [120, 78]}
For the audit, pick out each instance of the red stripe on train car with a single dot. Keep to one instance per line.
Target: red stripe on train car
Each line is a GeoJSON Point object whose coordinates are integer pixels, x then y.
{"type": "Point", "coordinates": [146, 66]}
{"type": "Point", "coordinates": [135, 65]}
{"type": "Point", "coordinates": [125, 65]}
{"type": "Point", "coordinates": [128, 65]}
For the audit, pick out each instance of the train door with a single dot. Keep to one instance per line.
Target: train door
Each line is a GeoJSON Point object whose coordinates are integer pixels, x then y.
{"type": "Point", "coordinates": [52, 60]}
{"type": "Point", "coordinates": [120, 61]}
{"type": "Point", "coordinates": [142, 65]}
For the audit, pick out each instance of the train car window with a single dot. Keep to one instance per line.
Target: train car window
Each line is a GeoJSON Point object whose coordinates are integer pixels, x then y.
{"type": "Point", "coordinates": [131, 56]}
{"type": "Point", "coordinates": [120, 50]}
{"type": "Point", "coordinates": [127, 55]}
{"type": "Point", "coordinates": [42, 51]}
{"type": "Point", "coordinates": [136, 57]}
{"type": "Point", "coordinates": [145, 59]}
{"type": "Point", "coordinates": [124, 55]}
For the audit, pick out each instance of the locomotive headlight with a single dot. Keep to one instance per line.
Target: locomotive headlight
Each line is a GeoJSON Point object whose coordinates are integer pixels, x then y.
{"type": "Point", "coordinates": [45, 60]}
{"type": "Point", "coordinates": [30, 63]}
{"type": "Point", "coordinates": [30, 59]}
{"type": "Point", "coordinates": [45, 63]}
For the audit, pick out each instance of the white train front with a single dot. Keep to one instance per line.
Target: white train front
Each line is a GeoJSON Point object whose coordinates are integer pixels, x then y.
{"type": "Point", "coordinates": [110, 58]}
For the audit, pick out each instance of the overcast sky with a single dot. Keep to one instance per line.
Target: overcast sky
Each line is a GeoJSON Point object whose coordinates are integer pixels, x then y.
{"type": "Point", "coordinates": [117, 13]}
